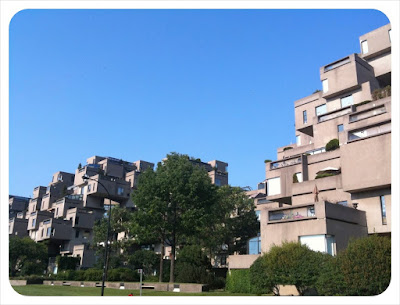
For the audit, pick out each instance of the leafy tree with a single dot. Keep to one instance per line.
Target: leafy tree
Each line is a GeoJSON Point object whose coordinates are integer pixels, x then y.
{"type": "Point", "coordinates": [366, 265]}
{"type": "Point", "coordinates": [26, 256]}
{"type": "Point", "coordinates": [144, 259]}
{"type": "Point", "coordinates": [193, 265]}
{"type": "Point", "coordinates": [173, 203]}
{"type": "Point", "coordinates": [120, 222]}
{"type": "Point", "coordinates": [232, 222]}
{"type": "Point", "coordinates": [294, 264]}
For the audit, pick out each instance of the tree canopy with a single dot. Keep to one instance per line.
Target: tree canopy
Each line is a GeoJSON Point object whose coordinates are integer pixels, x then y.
{"type": "Point", "coordinates": [173, 202]}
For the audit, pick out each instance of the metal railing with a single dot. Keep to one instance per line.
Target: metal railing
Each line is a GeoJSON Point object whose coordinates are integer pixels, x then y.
{"type": "Point", "coordinates": [284, 163]}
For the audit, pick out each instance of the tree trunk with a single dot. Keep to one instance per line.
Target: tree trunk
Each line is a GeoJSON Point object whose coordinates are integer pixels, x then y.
{"type": "Point", "coordinates": [161, 262]}
{"type": "Point", "coordinates": [172, 256]}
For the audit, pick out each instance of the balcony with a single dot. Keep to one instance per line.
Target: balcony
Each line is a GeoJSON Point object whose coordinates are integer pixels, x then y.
{"type": "Point", "coordinates": [292, 214]}
{"type": "Point", "coordinates": [334, 114]}
{"type": "Point", "coordinates": [361, 115]}
{"type": "Point", "coordinates": [285, 163]}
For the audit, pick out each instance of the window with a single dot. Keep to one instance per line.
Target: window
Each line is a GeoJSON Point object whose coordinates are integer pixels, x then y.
{"type": "Point", "coordinates": [261, 186]}
{"type": "Point", "coordinates": [299, 177]}
{"type": "Point", "coordinates": [383, 210]}
{"type": "Point", "coordinates": [343, 203]}
{"type": "Point", "coordinates": [346, 101]}
{"type": "Point", "coordinates": [321, 243]}
{"type": "Point", "coordinates": [120, 190]}
{"type": "Point", "coordinates": [33, 222]}
{"type": "Point", "coordinates": [390, 38]}
{"type": "Point", "coordinates": [325, 87]}
{"type": "Point", "coordinates": [76, 233]}
{"type": "Point", "coordinates": [258, 214]}
{"type": "Point", "coordinates": [89, 187]}
{"type": "Point", "coordinates": [320, 109]}
{"type": "Point", "coordinates": [364, 47]}
{"type": "Point", "coordinates": [305, 117]}
{"type": "Point", "coordinates": [274, 186]}
{"type": "Point", "coordinates": [48, 233]}
{"type": "Point", "coordinates": [218, 182]}
{"type": "Point", "coordinates": [226, 169]}
{"type": "Point", "coordinates": [76, 220]}
{"type": "Point", "coordinates": [340, 128]}
{"type": "Point", "coordinates": [298, 140]}
{"type": "Point", "coordinates": [255, 245]}
{"type": "Point", "coordinates": [82, 190]}
{"type": "Point", "coordinates": [311, 211]}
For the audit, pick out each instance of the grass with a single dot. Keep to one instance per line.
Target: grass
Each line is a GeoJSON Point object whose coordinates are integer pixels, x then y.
{"type": "Point", "coordinates": [45, 290]}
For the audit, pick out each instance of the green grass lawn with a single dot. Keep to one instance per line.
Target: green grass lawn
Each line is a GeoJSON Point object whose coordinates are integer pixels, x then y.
{"type": "Point", "coordinates": [45, 290]}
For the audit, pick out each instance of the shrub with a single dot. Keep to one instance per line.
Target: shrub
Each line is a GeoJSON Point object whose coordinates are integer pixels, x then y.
{"type": "Point", "coordinates": [93, 274]}
{"type": "Point", "coordinates": [295, 180]}
{"type": "Point", "coordinates": [260, 278]}
{"type": "Point", "coordinates": [238, 281]}
{"type": "Point", "coordinates": [287, 148]}
{"type": "Point", "coordinates": [217, 283]}
{"type": "Point", "coordinates": [192, 265]}
{"type": "Point", "coordinates": [332, 145]}
{"type": "Point", "coordinates": [151, 278]}
{"type": "Point", "coordinates": [381, 93]}
{"type": "Point", "coordinates": [66, 275]}
{"type": "Point", "coordinates": [267, 160]}
{"type": "Point", "coordinates": [67, 262]}
{"type": "Point", "coordinates": [323, 175]}
{"type": "Point", "coordinates": [294, 264]}
{"type": "Point", "coordinates": [122, 275]}
{"type": "Point", "coordinates": [366, 266]}
{"type": "Point", "coordinates": [331, 280]}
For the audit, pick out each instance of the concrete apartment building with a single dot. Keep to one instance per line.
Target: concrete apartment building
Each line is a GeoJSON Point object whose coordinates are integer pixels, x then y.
{"type": "Point", "coordinates": [323, 198]}
{"type": "Point", "coordinates": [64, 212]}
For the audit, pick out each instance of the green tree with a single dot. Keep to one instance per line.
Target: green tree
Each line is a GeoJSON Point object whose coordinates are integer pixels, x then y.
{"type": "Point", "coordinates": [173, 203]}
{"type": "Point", "coordinates": [261, 279]}
{"type": "Point", "coordinates": [120, 222]}
{"type": "Point", "coordinates": [331, 281]}
{"type": "Point", "coordinates": [144, 259]}
{"type": "Point", "coordinates": [232, 222]}
{"type": "Point", "coordinates": [26, 256]}
{"type": "Point", "coordinates": [366, 265]}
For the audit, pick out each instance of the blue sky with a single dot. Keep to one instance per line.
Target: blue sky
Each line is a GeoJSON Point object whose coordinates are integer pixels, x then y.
{"type": "Point", "coordinates": [138, 84]}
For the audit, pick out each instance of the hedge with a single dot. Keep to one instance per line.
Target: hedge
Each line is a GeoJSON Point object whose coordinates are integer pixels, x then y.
{"type": "Point", "coordinates": [238, 281]}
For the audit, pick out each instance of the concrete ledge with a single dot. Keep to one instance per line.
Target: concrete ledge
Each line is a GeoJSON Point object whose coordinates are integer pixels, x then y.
{"type": "Point", "coordinates": [185, 287]}
{"type": "Point", "coordinates": [18, 282]}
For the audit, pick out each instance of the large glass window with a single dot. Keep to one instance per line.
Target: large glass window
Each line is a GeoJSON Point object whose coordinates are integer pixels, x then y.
{"type": "Point", "coordinates": [325, 87]}
{"type": "Point", "coordinates": [320, 243]}
{"type": "Point", "coordinates": [320, 110]}
{"type": "Point", "coordinates": [364, 47]}
{"type": "Point", "coordinates": [383, 210]}
{"type": "Point", "coordinates": [346, 101]}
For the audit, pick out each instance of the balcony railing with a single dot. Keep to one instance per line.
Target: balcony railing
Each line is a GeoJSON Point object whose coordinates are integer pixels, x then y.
{"type": "Point", "coordinates": [332, 115]}
{"type": "Point", "coordinates": [284, 163]}
{"type": "Point", "coordinates": [366, 114]}
{"type": "Point", "coordinates": [292, 214]}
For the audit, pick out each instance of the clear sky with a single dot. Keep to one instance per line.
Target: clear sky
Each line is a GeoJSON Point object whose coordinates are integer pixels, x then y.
{"type": "Point", "coordinates": [138, 84]}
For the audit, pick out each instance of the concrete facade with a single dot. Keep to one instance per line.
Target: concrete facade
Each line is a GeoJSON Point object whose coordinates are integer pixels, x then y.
{"type": "Point", "coordinates": [352, 182]}
{"type": "Point", "coordinates": [64, 213]}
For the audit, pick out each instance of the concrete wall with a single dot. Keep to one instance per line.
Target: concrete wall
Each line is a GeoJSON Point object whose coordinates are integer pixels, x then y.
{"type": "Point", "coordinates": [241, 261]}
{"type": "Point", "coordinates": [369, 202]}
{"type": "Point", "coordinates": [378, 42]}
{"type": "Point", "coordinates": [366, 163]}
